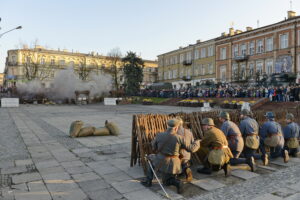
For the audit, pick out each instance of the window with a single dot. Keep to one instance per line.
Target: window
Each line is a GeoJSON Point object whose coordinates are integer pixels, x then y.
{"type": "Point", "coordinates": [167, 61]}
{"type": "Point", "coordinates": [161, 62]}
{"type": "Point", "coordinates": [175, 59]}
{"type": "Point", "coordinates": [52, 62]}
{"type": "Point", "coordinates": [243, 71]}
{"type": "Point", "coordinates": [196, 71]}
{"type": "Point", "coordinates": [28, 59]}
{"type": "Point", "coordinates": [175, 73]}
{"type": "Point", "coordinates": [251, 48]}
{"type": "Point", "coordinates": [269, 45]}
{"type": "Point", "coordinates": [62, 62]}
{"type": "Point", "coordinates": [181, 59]}
{"type": "Point", "coordinates": [181, 73]}
{"type": "Point", "coordinates": [171, 61]}
{"type": "Point", "coordinates": [189, 56]}
{"type": "Point", "coordinates": [299, 37]}
{"type": "Point", "coordinates": [203, 52]}
{"type": "Point", "coordinates": [196, 54]}
{"type": "Point", "coordinates": [210, 51]}
{"type": "Point", "coordinates": [188, 73]}
{"type": "Point", "coordinates": [210, 68]}
{"type": "Point", "coordinates": [243, 49]}
{"type": "Point", "coordinates": [159, 75]}
{"type": "Point", "coordinates": [13, 60]}
{"type": "Point", "coordinates": [170, 74]}
{"type": "Point", "coordinates": [223, 53]}
{"type": "Point", "coordinates": [251, 70]}
{"type": "Point", "coordinates": [284, 41]}
{"type": "Point", "coordinates": [269, 66]}
{"type": "Point", "coordinates": [259, 67]}
{"type": "Point", "coordinates": [223, 73]}
{"type": "Point", "coordinates": [71, 64]}
{"type": "Point", "coordinates": [165, 75]}
{"type": "Point", "coordinates": [203, 70]}
{"type": "Point", "coordinates": [260, 46]}
{"type": "Point", "coordinates": [235, 50]}
{"type": "Point", "coordinates": [42, 62]}
{"type": "Point", "coordinates": [234, 71]}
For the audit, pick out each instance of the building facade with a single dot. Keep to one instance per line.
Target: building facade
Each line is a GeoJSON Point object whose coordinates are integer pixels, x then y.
{"type": "Point", "coordinates": [188, 66]}
{"type": "Point", "coordinates": [39, 63]}
{"type": "Point", "coordinates": [1, 79]}
{"type": "Point", "coordinates": [254, 54]}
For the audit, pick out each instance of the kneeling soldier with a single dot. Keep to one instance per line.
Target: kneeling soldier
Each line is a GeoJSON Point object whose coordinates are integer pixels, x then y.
{"type": "Point", "coordinates": [271, 135]}
{"type": "Point", "coordinates": [235, 141]}
{"type": "Point", "coordinates": [167, 146]}
{"type": "Point", "coordinates": [291, 135]}
{"type": "Point", "coordinates": [214, 152]}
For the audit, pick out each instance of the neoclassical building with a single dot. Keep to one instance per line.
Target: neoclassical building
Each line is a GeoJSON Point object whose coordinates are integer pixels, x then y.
{"type": "Point", "coordinates": [40, 63]}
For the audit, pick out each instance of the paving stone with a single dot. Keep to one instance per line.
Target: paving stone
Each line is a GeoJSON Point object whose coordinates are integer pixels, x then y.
{"type": "Point", "coordinates": [7, 164]}
{"type": "Point", "coordinates": [20, 188]}
{"type": "Point", "coordinates": [81, 150]}
{"type": "Point", "coordinates": [284, 192]}
{"type": "Point", "coordinates": [23, 162]}
{"type": "Point", "coordinates": [116, 177]}
{"type": "Point", "coordinates": [267, 168]}
{"type": "Point", "coordinates": [52, 170]}
{"type": "Point", "coordinates": [85, 177]}
{"type": "Point", "coordinates": [78, 170]}
{"type": "Point", "coordinates": [14, 170]}
{"type": "Point", "coordinates": [72, 164]}
{"type": "Point", "coordinates": [244, 174]}
{"type": "Point", "coordinates": [36, 186]}
{"type": "Point", "coordinates": [135, 172]}
{"type": "Point", "coordinates": [28, 177]}
{"type": "Point", "coordinates": [173, 195]}
{"type": "Point", "coordinates": [127, 186]}
{"type": "Point", "coordinates": [46, 164]}
{"type": "Point", "coordinates": [93, 185]}
{"type": "Point", "coordinates": [267, 197]}
{"type": "Point", "coordinates": [33, 196]}
{"type": "Point", "coordinates": [295, 186]}
{"type": "Point", "coordinates": [56, 176]}
{"type": "Point", "coordinates": [208, 184]}
{"type": "Point", "coordinates": [61, 185]}
{"type": "Point", "coordinates": [295, 160]}
{"type": "Point", "coordinates": [106, 194]}
{"type": "Point", "coordinates": [69, 195]}
{"type": "Point", "coordinates": [293, 197]}
{"type": "Point", "coordinates": [103, 168]}
{"type": "Point", "coordinates": [142, 194]}
{"type": "Point", "coordinates": [281, 163]}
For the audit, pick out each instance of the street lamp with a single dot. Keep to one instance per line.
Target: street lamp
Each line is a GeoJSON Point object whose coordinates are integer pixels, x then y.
{"type": "Point", "coordinates": [18, 27]}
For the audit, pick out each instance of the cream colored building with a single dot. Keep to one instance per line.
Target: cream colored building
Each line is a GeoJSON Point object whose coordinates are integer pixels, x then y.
{"type": "Point", "coordinates": [188, 66]}
{"type": "Point", "coordinates": [40, 63]}
{"type": "Point", "coordinates": [1, 79]}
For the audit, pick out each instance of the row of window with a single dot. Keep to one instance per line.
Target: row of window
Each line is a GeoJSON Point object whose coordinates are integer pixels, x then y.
{"type": "Point", "coordinates": [197, 54]}
{"type": "Point", "coordinates": [258, 46]}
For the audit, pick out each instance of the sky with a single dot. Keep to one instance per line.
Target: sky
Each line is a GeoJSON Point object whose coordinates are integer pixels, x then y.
{"type": "Point", "coordinates": [147, 27]}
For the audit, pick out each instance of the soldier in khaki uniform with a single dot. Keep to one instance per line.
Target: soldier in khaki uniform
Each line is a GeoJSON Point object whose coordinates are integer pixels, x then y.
{"type": "Point", "coordinates": [214, 152]}
{"type": "Point", "coordinates": [168, 145]}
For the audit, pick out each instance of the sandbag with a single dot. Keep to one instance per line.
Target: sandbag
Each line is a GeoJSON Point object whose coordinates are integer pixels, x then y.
{"type": "Point", "coordinates": [103, 131]}
{"type": "Point", "coordinates": [252, 142]}
{"type": "Point", "coordinates": [112, 127]}
{"type": "Point", "coordinates": [292, 143]}
{"type": "Point", "coordinates": [217, 157]}
{"type": "Point", "coordinates": [272, 141]}
{"type": "Point", "coordinates": [86, 131]}
{"type": "Point", "coordinates": [75, 128]}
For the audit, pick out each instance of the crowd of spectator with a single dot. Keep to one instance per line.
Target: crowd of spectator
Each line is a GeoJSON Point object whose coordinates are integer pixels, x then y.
{"type": "Point", "coordinates": [288, 93]}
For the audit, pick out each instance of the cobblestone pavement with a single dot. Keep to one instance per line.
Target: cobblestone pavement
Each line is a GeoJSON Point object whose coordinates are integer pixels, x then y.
{"type": "Point", "coordinates": [39, 161]}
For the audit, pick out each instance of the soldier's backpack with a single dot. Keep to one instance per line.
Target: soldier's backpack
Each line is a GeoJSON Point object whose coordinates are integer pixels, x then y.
{"type": "Point", "coordinates": [217, 157]}
{"type": "Point", "coordinates": [252, 141]}
{"type": "Point", "coordinates": [75, 128]}
{"type": "Point", "coordinates": [272, 141]}
{"type": "Point", "coordinates": [292, 143]}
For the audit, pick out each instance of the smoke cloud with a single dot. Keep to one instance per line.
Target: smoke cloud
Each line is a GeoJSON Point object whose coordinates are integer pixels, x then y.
{"type": "Point", "coordinates": [65, 83]}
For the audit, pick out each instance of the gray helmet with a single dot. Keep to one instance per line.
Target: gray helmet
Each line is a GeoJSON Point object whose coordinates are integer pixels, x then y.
{"type": "Point", "coordinates": [224, 115]}
{"type": "Point", "coordinates": [207, 121]}
{"type": "Point", "coordinates": [173, 123]}
{"type": "Point", "coordinates": [290, 116]}
{"type": "Point", "coordinates": [270, 115]}
{"type": "Point", "coordinates": [246, 112]}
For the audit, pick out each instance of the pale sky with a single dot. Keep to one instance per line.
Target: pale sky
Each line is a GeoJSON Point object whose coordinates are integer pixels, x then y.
{"type": "Point", "coordinates": [147, 27]}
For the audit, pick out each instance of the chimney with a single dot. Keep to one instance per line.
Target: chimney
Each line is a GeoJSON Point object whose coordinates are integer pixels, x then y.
{"type": "Point", "coordinates": [198, 41]}
{"type": "Point", "coordinates": [231, 31]}
{"type": "Point", "coordinates": [249, 28]}
{"type": "Point", "coordinates": [180, 47]}
{"type": "Point", "coordinates": [238, 31]}
{"type": "Point", "coordinates": [291, 14]}
{"type": "Point", "coordinates": [223, 34]}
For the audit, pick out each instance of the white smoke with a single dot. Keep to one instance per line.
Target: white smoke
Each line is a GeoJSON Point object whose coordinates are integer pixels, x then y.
{"type": "Point", "coordinates": [66, 82]}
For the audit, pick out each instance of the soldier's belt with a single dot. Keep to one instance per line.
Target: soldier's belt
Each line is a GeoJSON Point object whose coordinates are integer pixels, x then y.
{"type": "Point", "coordinates": [273, 134]}
{"type": "Point", "coordinates": [222, 147]}
{"type": "Point", "coordinates": [251, 134]}
{"type": "Point", "coordinates": [170, 156]}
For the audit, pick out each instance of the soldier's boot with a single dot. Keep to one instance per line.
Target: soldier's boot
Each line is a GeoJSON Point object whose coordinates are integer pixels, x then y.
{"type": "Point", "coordinates": [227, 170]}
{"type": "Point", "coordinates": [204, 170]}
{"type": "Point", "coordinates": [265, 159]}
{"type": "Point", "coordinates": [188, 174]}
{"type": "Point", "coordinates": [286, 156]}
{"type": "Point", "coordinates": [251, 163]}
{"type": "Point", "coordinates": [178, 184]}
{"type": "Point", "coordinates": [146, 182]}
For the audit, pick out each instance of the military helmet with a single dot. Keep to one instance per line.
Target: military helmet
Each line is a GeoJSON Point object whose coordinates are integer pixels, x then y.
{"type": "Point", "coordinates": [207, 121]}
{"type": "Point", "coordinates": [290, 116]}
{"type": "Point", "coordinates": [173, 123]}
{"type": "Point", "coordinates": [270, 115]}
{"type": "Point", "coordinates": [179, 119]}
{"type": "Point", "coordinates": [246, 112]}
{"type": "Point", "coordinates": [224, 115]}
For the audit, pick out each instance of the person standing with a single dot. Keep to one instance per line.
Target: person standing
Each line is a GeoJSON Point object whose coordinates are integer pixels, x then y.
{"type": "Point", "coordinates": [271, 135]}
{"type": "Point", "coordinates": [167, 146]}
{"type": "Point", "coordinates": [235, 141]}
{"type": "Point", "coordinates": [214, 152]}
{"type": "Point", "coordinates": [291, 135]}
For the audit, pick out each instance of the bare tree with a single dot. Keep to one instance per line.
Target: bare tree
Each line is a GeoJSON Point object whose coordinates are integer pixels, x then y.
{"type": "Point", "coordinates": [115, 56]}
{"type": "Point", "coordinates": [83, 71]}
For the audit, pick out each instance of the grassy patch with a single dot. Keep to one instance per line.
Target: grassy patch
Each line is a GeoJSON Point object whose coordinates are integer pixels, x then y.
{"type": "Point", "coordinates": [155, 100]}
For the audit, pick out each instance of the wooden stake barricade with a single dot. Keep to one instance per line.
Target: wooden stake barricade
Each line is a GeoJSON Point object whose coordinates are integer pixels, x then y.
{"type": "Point", "coordinates": [145, 128]}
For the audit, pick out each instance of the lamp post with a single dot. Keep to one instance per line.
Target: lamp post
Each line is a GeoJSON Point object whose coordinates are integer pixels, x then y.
{"type": "Point", "coordinates": [18, 27]}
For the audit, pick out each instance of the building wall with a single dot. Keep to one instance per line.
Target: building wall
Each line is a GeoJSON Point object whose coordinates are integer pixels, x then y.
{"type": "Point", "coordinates": [50, 62]}
{"type": "Point", "coordinates": [1, 79]}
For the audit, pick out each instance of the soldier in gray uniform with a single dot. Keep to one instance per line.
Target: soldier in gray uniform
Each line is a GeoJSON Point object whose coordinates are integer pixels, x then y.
{"type": "Point", "coordinates": [167, 145]}
{"type": "Point", "coordinates": [291, 135]}
{"type": "Point", "coordinates": [249, 129]}
{"type": "Point", "coordinates": [235, 141]}
{"type": "Point", "coordinates": [185, 156]}
{"type": "Point", "coordinates": [271, 135]}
